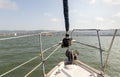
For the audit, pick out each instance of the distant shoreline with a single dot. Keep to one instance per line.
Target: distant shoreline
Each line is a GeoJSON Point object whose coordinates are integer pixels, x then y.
{"type": "Point", "coordinates": [62, 33]}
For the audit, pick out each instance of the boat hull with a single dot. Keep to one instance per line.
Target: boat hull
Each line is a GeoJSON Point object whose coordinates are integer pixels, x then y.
{"type": "Point", "coordinates": [76, 69]}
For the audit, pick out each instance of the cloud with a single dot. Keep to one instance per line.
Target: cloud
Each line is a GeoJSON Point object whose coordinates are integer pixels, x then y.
{"type": "Point", "coordinates": [115, 2]}
{"type": "Point", "coordinates": [112, 1]}
{"type": "Point", "coordinates": [100, 19]}
{"type": "Point", "coordinates": [8, 4]}
{"type": "Point", "coordinates": [117, 15]}
{"type": "Point", "coordinates": [47, 14]}
{"type": "Point", "coordinates": [55, 20]}
{"type": "Point", "coordinates": [92, 1]}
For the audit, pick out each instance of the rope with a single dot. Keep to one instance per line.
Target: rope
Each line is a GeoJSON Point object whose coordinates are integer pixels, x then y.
{"type": "Point", "coordinates": [66, 14]}
{"type": "Point", "coordinates": [41, 62]}
{"type": "Point", "coordinates": [105, 64]}
{"type": "Point", "coordinates": [18, 66]}
{"type": "Point", "coordinates": [53, 52]}
{"type": "Point", "coordinates": [17, 37]}
{"type": "Point", "coordinates": [33, 70]}
{"type": "Point", "coordinates": [89, 45]}
{"type": "Point", "coordinates": [81, 30]}
{"type": "Point", "coordinates": [48, 49]}
{"type": "Point", "coordinates": [26, 62]}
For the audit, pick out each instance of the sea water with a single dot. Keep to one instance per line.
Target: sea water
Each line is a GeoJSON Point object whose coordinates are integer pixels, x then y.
{"type": "Point", "coordinates": [13, 52]}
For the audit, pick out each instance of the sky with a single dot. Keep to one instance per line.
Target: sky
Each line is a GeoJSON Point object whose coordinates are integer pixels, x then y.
{"type": "Point", "coordinates": [48, 14]}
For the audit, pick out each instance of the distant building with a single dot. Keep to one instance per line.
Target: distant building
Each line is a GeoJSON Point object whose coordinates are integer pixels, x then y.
{"type": "Point", "coordinates": [15, 34]}
{"type": "Point", "coordinates": [47, 34]}
{"type": "Point", "coordinates": [6, 34]}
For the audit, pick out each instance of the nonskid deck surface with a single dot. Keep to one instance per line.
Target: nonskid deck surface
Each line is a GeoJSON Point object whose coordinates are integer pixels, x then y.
{"type": "Point", "coordinates": [77, 69]}
{"type": "Point", "coordinates": [71, 71]}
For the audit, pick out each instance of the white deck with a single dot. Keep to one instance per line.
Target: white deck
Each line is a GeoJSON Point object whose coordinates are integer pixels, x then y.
{"type": "Point", "coordinates": [73, 70]}
{"type": "Point", "coordinates": [70, 71]}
